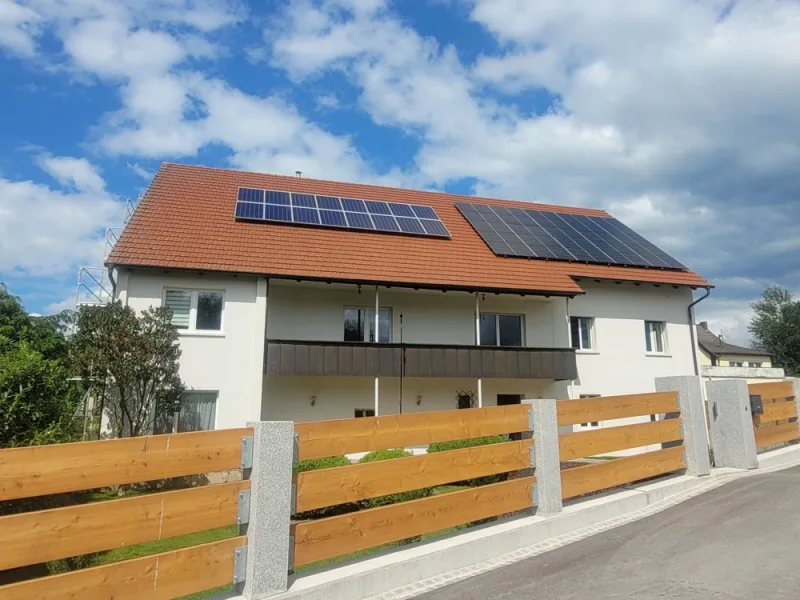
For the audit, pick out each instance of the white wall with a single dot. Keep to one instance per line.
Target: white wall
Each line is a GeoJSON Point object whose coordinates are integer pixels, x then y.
{"type": "Point", "coordinates": [229, 362]}
{"type": "Point", "coordinates": [289, 398]}
{"type": "Point", "coordinates": [316, 312]}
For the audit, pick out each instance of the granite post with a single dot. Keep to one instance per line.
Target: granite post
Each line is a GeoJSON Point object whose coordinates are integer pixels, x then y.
{"type": "Point", "coordinates": [543, 421]}
{"type": "Point", "coordinates": [733, 439]}
{"type": "Point", "coordinates": [693, 422]}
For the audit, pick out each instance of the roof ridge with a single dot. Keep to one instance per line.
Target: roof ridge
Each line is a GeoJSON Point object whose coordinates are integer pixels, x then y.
{"type": "Point", "coordinates": [478, 199]}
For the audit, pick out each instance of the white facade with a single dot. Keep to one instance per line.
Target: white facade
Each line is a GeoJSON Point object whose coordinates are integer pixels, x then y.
{"type": "Point", "coordinates": [231, 361]}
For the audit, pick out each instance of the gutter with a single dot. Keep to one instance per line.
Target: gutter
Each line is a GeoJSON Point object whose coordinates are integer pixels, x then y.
{"type": "Point", "coordinates": [693, 328]}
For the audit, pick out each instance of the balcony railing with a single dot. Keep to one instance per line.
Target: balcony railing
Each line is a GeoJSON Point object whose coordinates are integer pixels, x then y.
{"type": "Point", "coordinates": [285, 357]}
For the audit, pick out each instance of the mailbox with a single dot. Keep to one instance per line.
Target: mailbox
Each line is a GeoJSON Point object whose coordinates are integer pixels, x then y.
{"type": "Point", "coordinates": [756, 405]}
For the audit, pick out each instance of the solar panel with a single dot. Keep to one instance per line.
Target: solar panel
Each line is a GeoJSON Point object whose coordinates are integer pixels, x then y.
{"type": "Point", "coordinates": [561, 236]}
{"type": "Point", "coordinates": [331, 211]}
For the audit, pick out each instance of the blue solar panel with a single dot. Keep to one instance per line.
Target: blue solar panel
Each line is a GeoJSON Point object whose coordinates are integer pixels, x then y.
{"type": "Point", "coordinates": [562, 236]}
{"type": "Point", "coordinates": [385, 223]}
{"type": "Point", "coordinates": [401, 210]}
{"type": "Point", "coordinates": [377, 208]}
{"type": "Point", "coordinates": [329, 203]}
{"type": "Point", "coordinates": [333, 218]}
{"type": "Point", "coordinates": [278, 198]}
{"type": "Point", "coordinates": [309, 216]}
{"type": "Point", "coordinates": [249, 210]}
{"type": "Point", "coordinates": [349, 213]}
{"type": "Point", "coordinates": [278, 213]}
{"type": "Point", "coordinates": [303, 200]}
{"type": "Point", "coordinates": [351, 205]}
{"type": "Point", "coordinates": [358, 220]}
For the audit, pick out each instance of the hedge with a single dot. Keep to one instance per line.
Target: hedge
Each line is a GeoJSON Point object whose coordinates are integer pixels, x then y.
{"type": "Point", "coordinates": [471, 443]}
{"type": "Point", "coordinates": [314, 464]}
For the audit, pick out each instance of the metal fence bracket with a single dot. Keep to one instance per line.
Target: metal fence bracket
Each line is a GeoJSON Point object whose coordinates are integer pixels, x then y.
{"type": "Point", "coordinates": [530, 420]}
{"type": "Point", "coordinates": [243, 508]}
{"type": "Point", "coordinates": [291, 553]}
{"type": "Point", "coordinates": [247, 452]}
{"type": "Point", "coordinates": [294, 499]}
{"type": "Point", "coordinates": [296, 448]}
{"type": "Point", "coordinates": [239, 564]}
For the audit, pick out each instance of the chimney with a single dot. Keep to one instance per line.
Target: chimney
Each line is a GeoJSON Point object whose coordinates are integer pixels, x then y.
{"type": "Point", "coordinates": [704, 325]}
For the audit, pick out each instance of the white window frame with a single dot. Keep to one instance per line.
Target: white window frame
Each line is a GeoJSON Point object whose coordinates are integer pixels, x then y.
{"type": "Point", "coordinates": [369, 322]}
{"type": "Point", "coordinates": [497, 329]}
{"type": "Point", "coordinates": [591, 424]}
{"type": "Point", "coordinates": [592, 349]}
{"type": "Point", "coordinates": [663, 335]}
{"type": "Point", "coordinates": [192, 330]}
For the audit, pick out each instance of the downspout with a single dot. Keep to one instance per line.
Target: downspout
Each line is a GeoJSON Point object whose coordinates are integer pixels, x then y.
{"type": "Point", "coordinates": [113, 283]}
{"type": "Point", "coordinates": [693, 329]}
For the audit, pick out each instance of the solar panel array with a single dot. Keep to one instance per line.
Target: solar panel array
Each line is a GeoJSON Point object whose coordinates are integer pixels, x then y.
{"type": "Point", "coordinates": [560, 236]}
{"type": "Point", "coordinates": [332, 211]}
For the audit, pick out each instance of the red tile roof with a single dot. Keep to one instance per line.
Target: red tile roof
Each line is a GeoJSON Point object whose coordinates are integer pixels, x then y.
{"type": "Point", "coordinates": [186, 221]}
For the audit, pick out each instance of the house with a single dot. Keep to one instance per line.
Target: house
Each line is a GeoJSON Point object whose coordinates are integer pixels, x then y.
{"type": "Point", "coordinates": [720, 360]}
{"type": "Point", "coordinates": [714, 351]}
{"type": "Point", "coordinates": [302, 299]}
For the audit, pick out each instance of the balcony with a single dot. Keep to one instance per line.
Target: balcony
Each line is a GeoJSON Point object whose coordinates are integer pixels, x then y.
{"type": "Point", "coordinates": [355, 359]}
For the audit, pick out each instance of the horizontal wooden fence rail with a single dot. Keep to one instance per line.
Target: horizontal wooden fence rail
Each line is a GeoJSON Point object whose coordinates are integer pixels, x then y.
{"type": "Point", "coordinates": [776, 411]}
{"type": "Point", "coordinates": [774, 390]}
{"type": "Point", "coordinates": [329, 438]}
{"type": "Point", "coordinates": [335, 536]}
{"type": "Point", "coordinates": [329, 487]}
{"type": "Point", "coordinates": [587, 410]}
{"type": "Point", "coordinates": [41, 470]}
{"type": "Point", "coordinates": [592, 478]}
{"type": "Point", "coordinates": [612, 439]}
{"type": "Point", "coordinates": [776, 434]}
{"type": "Point", "coordinates": [36, 537]}
{"type": "Point", "coordinates": [158, 577]}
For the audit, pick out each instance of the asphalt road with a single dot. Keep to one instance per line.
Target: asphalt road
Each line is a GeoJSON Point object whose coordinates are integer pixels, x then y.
{"type": "Point", "coordinates": [738, 542]}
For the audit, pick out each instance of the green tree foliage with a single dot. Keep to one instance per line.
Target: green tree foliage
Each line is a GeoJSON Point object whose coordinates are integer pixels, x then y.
{"type": "Point", "coordinates": [37, 400]}
{"type": "Point", "coordinates": [131, 364]}
{"type": "Point", "coordinates": [775, 327]}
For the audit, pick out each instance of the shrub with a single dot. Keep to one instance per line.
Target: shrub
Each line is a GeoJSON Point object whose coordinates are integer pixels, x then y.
{"type": "Point", "coordinates": [471, 443]}
{"type": "Point", "coordinates": [392, 498]}
{"type": "Point", "coordinates": [314, 464]}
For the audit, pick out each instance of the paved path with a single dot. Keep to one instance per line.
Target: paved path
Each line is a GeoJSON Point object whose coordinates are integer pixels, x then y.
{"type": "Point", "coordinates": [738, 542]}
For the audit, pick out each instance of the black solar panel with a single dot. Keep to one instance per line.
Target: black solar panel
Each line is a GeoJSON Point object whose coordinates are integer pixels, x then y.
{"type": "Point", "coordinates": [559, 236]}
{"type": "Point", "coordinates": [331, 211]}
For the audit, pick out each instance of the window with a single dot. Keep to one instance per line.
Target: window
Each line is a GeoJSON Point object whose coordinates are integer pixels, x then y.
{"type": "Point", "coordinates": [501, 330]}
{"type": "Point", "coordinates": [194, 310]}
{"type": "Point", "coordinates": [582, 329]}
{"type": "Point", "coordinates": [655, 336]}
{"type": "Point", "coordinates": [360, 413]}
{"type": "Point", "coordinates": [734, 363]}
{"type": "Point", "coordinates": [757, 365]}
{"type": "Point", "coordinates": [198, 412]}
{"type": "Point", "coordinates": [359, 325]}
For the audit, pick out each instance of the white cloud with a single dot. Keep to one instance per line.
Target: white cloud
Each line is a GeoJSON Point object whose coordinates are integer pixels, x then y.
{"type": "Point", "coordinates": [18, 26]}
{"type": "Point", "coordinates": [47, 231]}
{"type": "Point", "coordinates": [69, 171]}
{"type": "Point", "coordinates": [141, 171]}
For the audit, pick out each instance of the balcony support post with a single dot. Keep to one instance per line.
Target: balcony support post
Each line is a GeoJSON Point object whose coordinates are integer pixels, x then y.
{"type": "Point", "coordinates": [478, 343]}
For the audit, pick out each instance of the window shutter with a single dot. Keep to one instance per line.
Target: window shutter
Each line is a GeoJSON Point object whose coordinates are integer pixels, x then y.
{"type": "Point", "coordinates": [181, 303]}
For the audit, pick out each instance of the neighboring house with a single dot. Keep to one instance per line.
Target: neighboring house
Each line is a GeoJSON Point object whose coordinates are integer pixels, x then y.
{"type": "Point", "coordinates": [720, 360]}
{"type": "Point", "coordinates": [315, 315]}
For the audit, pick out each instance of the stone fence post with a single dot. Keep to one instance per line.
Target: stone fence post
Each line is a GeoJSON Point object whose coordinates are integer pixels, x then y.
{"type": "Point", "coordinates": [543, 422]}
{"type": "Point", "coordinates": [693, 422]}
{"type": "Point", "coordinates": [732, 436]}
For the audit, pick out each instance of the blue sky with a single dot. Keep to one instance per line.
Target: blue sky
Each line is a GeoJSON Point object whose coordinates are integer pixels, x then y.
{"type": "Point", "coordinates": [677, 116]}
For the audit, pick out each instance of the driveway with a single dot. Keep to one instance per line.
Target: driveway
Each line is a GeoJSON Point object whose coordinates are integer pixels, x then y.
{"type": "Point", "coordinates": [740, 541]}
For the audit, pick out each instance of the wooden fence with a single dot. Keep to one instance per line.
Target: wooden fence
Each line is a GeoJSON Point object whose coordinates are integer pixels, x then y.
{"type": "Point", "coordinates": [590, 478]}
{"type": "Point", "coordinates": [779, 423]}
{"type": "Point", "coordinates": [36, 537]}
{"type": "Point", "coordinates": [321, 539]}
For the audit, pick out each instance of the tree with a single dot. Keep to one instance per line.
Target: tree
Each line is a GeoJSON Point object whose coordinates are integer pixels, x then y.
{"type": "Point", "coordinates": [775, 327]}
{"type": "Point", "coordinates": [44, 334]}
{"type": "Point", "coordinates": [130, 363]}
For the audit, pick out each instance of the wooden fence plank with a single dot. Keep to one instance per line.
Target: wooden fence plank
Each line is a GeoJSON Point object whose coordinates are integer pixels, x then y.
{"type": "Point", "coordinates": [328, 487]}
{"type": "Point", "coordinates": [36, 537]}
{"type": "Point", "coordinates": [344, 436]}
{"type": "Point", "coordinates": [611, 439]}
{"type": "Point", "coordinates": [591, 478]}
{"type": "Point", "coordinates": [158, 577]}
{"type": "Point", "coordinates": [778, 434]}
{"type": "Point", "coordinates": [776, 411]}
{"type": "Point", "coordinates": [57, 468]}
{"type": "Point", "coordinates": [586, 410]}
{"type": "Point", "coordinates": [772, 390]}
{"type": "Point", "coordinates": [335, 536]}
